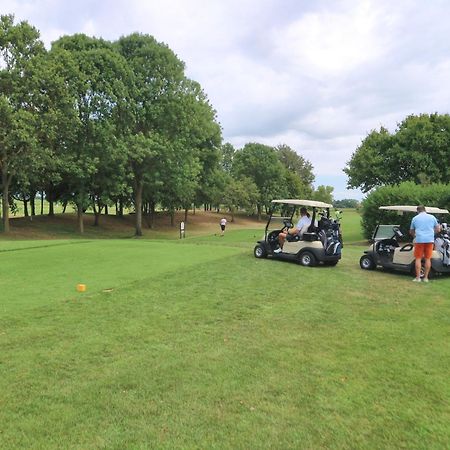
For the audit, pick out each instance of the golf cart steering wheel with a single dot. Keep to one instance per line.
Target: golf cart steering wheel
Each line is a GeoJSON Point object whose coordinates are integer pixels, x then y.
{"type": "Point", "coordinates": [272, 238]}
{"type": "Point", "coordinates": [287, 224]}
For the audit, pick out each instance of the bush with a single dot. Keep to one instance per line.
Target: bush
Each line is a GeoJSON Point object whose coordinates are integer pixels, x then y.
{"type": "Point", "coordinates": [407, 193]}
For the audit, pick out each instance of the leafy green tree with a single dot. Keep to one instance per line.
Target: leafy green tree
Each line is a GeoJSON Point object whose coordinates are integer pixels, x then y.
{"type": "Point", "coordinates": [172, 114]}
{"type": "Point", "coordinates": [261, 164]}
{"type": "Point", "coordinates": [56, 116]}
{"type": "Point", "coordinates": [98, 80]}
{"type": "Point", "coordinates": [200, 135]}
{"type": "Point", "coordinates": [324, 194]}
{"type": "Point", "coordinates": [422, 149]}
{"type": "Point", "coordinates": [418, 151]}
{"type": "Point", "coordinates": [372, 163]}
{"type": "Point", "coordinates": [297, 164]}
{"type": "Point", "coordinates": [226, 158]}
{"type": "Point", "coordinates": [293, 186]}
{"type": "Point", "coordinates": [239, 194]}
{"type": "Point", "coordinates": [152, 98]}
{"type": "Point", "coordinates": [214, 187]}
{"type": "Point", "coordinates": [180, 174]}
{"type": "Point", "coordinates": [19, 45]}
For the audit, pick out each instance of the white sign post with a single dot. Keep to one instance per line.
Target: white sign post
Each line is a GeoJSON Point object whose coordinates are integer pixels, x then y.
{"type": "Point", "coordinates": [182, 230]}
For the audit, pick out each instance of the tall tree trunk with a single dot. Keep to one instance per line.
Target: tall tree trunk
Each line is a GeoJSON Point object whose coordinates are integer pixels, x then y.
{"type": "Point", "coordinates": [80, 217]}
{"type": "Point", "coordinates": [172, 217]}
{"type": "Point", "coordinates": [138, 206]}
{"type": "Point", "coordinates": [119, 211]}
{"type": "Point", "coordinates": [5, 198]}
{"type": "Point", "coordinates": [185, 215]}
{"type": "Point", "coordinates": [51, 208]}
{"type": "Point", "coordinates": [106, 210]}
{"type": "Point", "coordinates": [42, 203]}
{"type": "Point", "coordinates": [64, 206]}
{"type": "Point", "coordinates": [25, 206]}
{"type": "Point", "coordinates": [96, 213]}
{"type": "Point", "coordinates": [152, 214]}
{"type": "Point", "coordinates": [258, 207]}
{"type": "Point", "coordinates": [33, 203]}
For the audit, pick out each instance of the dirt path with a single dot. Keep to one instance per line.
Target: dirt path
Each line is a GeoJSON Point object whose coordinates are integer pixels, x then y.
{"type": "Point", "coordinates": [64, 225]}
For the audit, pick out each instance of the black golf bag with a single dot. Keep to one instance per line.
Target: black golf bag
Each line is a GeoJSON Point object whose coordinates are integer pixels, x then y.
{"type": "Point", "coordinates": [329, 234]}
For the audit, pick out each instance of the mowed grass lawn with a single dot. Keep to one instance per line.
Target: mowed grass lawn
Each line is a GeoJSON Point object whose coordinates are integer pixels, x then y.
{"type": "Point", "coordinates": [197, 344]}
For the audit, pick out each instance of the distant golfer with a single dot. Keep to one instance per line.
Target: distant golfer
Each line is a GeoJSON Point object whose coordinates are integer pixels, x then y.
{"type": "Point", "coordinates": [223, 224]}
{"type": "Point", "coordinates": [423, 226]}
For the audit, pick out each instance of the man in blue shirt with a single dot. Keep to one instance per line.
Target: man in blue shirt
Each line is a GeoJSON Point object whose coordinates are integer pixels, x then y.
{"type": "Point", "coordinates": [423, 226]}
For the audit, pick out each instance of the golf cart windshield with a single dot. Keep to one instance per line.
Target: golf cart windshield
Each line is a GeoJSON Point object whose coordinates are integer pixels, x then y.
{"type": "Point", "coordinates": [393, 213]}
{"type": "Point", "coordinates": [384, 232]}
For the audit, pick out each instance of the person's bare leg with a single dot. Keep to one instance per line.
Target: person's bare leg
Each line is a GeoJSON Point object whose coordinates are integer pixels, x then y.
{"type": "Point", "coordinates": [418, 267]}
{"type": "Point", "coordinates": [427, 268]}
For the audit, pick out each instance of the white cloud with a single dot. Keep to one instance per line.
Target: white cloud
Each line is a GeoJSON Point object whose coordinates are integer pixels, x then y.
{"type": "Point", "coordinates": [314, 75]}
{"type": "Point", "coordinates": [328, 43]}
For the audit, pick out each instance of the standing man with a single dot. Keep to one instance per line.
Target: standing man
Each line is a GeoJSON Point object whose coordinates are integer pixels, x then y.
{"type": "Point", "coordinates": [223, 224]}
{"type": "Point", "coordinates": [423, 226]}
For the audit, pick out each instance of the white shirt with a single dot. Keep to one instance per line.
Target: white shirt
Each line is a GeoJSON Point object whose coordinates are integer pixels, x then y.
{"type": "Point", "coordinates": [223, 221]}
{"type": "Point", "coordinates": [304, 221]}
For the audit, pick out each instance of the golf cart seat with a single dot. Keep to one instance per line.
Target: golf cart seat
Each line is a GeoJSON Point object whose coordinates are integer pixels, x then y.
{"type": "Point", "coordinates": [293, 237]}
{"type": "Point", "coordinates": [310, 237]}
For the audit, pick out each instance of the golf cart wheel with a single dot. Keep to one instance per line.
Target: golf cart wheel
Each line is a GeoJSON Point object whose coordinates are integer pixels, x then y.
{"type": "Point", "coordinates": [366, 262]}
{"type": "Point", "coordinates": [308, 259]}
{"type": "Point", "coordinates": [260, 251]}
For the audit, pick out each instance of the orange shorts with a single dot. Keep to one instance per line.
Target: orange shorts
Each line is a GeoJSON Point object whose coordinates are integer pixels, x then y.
{"type": "Point", "coordinates": [423, 250]}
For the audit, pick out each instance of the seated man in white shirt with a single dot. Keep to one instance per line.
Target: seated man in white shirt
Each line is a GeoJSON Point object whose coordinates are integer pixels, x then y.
{"type": "Point", "coordinates": [302, 225]}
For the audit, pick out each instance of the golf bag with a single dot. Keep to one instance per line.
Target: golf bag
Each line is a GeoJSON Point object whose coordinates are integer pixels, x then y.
{"type": "Point", "coordinates": [442, 245]}
{"type": "Point", "coordinates": [329, 234]}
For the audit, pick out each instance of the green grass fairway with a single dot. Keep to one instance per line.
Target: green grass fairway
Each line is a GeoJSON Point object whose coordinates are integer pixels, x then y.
{"type": "Point", "coordinates": [351, 227]}
{"type": "Point", "coordinates": [196, 344]}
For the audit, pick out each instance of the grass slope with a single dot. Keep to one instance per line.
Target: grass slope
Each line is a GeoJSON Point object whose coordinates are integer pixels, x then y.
{"type": "Point", "coordinates": [200, 345]}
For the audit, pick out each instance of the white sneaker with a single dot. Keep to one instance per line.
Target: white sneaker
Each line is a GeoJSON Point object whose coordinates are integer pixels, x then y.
{"type": "Point", "coordinates": [425, 280]}
{"type": "Point", "coordinates": [278, 250]}
{"type": "Point", "coordinates": [417, 280]}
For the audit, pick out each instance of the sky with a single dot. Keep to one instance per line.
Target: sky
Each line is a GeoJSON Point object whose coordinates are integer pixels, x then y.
{"type": "Point", "coordinates": [317, 75]}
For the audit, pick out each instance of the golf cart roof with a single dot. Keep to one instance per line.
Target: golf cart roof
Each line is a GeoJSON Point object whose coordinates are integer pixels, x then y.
{"type": "Point", "coordinates": [311, 203]}
{"type": "Point", "coordinates": [410, 208]}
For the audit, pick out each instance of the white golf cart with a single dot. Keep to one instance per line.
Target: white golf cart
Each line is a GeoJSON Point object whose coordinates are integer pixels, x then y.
{"type": "Point", "coordinates": [321, 243]}
{"type": "Point", "coordinates": [392, 249]}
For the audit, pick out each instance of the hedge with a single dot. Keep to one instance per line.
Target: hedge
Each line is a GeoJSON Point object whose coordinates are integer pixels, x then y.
{"type": "Point", "coordinates": [407, 193]}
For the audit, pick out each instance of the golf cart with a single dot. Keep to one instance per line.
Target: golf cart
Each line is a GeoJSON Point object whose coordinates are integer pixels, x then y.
{"type": "Point", "coordinates": [320, 243]}
{"type": "Point", "coordinates": [392, 249]}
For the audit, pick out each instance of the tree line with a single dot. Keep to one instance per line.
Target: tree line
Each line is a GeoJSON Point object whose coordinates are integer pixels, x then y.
{"type": "Point", "coordinates": [98, 123]}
